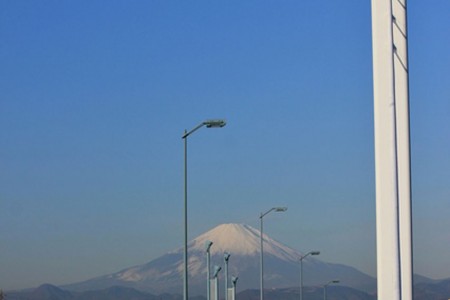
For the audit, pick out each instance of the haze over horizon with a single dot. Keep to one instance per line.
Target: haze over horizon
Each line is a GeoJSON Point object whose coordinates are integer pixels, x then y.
{"type": "Point", "coordinates": [95, 97]}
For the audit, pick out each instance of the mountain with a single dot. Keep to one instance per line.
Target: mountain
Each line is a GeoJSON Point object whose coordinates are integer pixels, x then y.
{"type": "Point", "coordinates": [309, 293]}
{"type": "Point", "coordinates": [436, 290]}
{"type": "Point", "coordinates": [49, 292]}
{"type": "Point", "coordinates": [164, 274]}
{"type": "Point", "coordinates": [115, 293]}
{"type": "Point", "coordinates": [45, 291]}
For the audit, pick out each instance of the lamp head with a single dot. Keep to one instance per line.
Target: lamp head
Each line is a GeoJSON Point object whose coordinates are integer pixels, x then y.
{"type": "Point", "coordinates": [315, 252]}
{"type": "Point", "coordinates": [234, 279]}
{"type": "Point", "coordinates": [208, 245]}
{"type": "Point", "coordinates": [215, 123]}
{"type": "Point", "coordinates": [280, 209]}
{"type": "Point", "coordinates": [330, 282]}
{"type": "Point", "coordinates": [216, 271]}
{"type": "Point", "coordinates": [226, 256]}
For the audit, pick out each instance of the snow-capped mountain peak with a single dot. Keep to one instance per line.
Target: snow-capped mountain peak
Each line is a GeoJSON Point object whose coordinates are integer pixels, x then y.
{"type": "Point", "coordinates": [240, 239]}
{"type": "Point", "coordinates": [165, 273]}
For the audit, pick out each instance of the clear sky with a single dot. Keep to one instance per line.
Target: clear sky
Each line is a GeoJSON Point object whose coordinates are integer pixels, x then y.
{"type": "Point", "coordinates": [95, 95]}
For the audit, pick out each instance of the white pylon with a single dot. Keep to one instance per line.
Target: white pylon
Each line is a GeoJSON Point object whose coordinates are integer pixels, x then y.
{"type": "Point", "coordinates": [392, 150]}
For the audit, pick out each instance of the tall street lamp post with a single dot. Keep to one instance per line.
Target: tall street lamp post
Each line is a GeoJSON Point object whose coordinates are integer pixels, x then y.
{"type": "Point", "coordinates": [234, 280]}
{"type": "Point", "coordinates": [208, 124]}
{"type": "Point", "coordinates": [276, 209]}
{"type": "Point", "coordinates": [216, 282]}
{"type": "Point", "coordinates": [301, 270]}
{"type": "Point", "coordinates": [208, 245]}
{"type": "Point", "coordinates": [325, 288]}
{"type": "Point", "coordinates": [226, 258]}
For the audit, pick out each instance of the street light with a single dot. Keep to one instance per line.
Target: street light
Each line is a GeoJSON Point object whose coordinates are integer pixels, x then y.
{"type": "Point", "coordinates": [216, 282]}
{"type": "Point", "coordinates": [234, 280]}
{"type": "Point", "coordinates": [208, 124]}
{"type": "Point", "coordinates": [208, 245]}
{"type": "Point", "coordinates": [216, 271]}
{"type": "Point", "coordinates": [226, 258]}
{"type": "Point", "coordinates": [301, 270]}
{"type": "Point", "coordinates": [325, 288]}
{"type": "Point", "coordinates": [276, 209]}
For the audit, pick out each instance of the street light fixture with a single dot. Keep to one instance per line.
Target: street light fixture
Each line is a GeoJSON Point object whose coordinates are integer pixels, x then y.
{"type": "Point", "coordinates": [226, 258]}
{"type": "Point", "coordinates": [208, 124]}
{"type": "Point", "coordinates": [216, 271]}
{"type": "Point", "coordinates": [234, 280]}
{"type": "Point", "coordinates": [325, 288]}
{"type": "Point", "coordinates": [208, 245]}
{"type": "Point", "coordinates": [301, 270]}
{"type": "Point", "coordinates": [276, 209]}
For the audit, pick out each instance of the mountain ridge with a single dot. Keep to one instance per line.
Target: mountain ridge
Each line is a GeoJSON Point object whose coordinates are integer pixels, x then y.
{"type": "Point", "coordinates": [438, 290]}
{"type": "Point", "coordinates": [164, 274]}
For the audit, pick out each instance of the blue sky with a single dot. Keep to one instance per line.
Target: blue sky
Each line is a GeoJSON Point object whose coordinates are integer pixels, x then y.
{"type": "Point", "coordinates": [95, 95]}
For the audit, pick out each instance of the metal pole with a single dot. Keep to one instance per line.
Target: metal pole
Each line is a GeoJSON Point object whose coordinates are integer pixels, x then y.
{"type": "Point", "coordinates": [261, 286]}
{"type": "Point", "coordinates": [301, 269]}
{"type": "Point", "coordinates": [226, 258]}
{"type": "Point", "coordinates": [325, 288]}
{"type": "Point", "coordinates": [226, 280]}
{"type": "Point", "coordinates": [208, 284]}
{"type": "Point", "coordinates": [185, 285]}
{"type": "Point", "coordinates": [216, 280]}
{"type": "Point", "coordinates": [301, 278]}
{"type": "Point", "coordinates": [208, 124]}
{"type": "Point", "coordinates": [234, 281]}
{"type": "Point", "coordinates": [277, 209]}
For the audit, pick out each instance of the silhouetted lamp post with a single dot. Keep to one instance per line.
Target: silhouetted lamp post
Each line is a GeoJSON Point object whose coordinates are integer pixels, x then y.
{"type": "Point", "coordinates": [226, 258]}
{"type": "Point", "coordinates": [234, 280]}
{"type": "Point", "coordinates": [208, 124]}
{"type": "Point", "coordinates": [208, 245]}
{"type": "Point", "coordinates": [301, 270]}
{"type": "Point", "coordinates": [276, 209]}
{"type": "Point", "coordinates": [216, 282]}
{"type": "Point", "coordinates": [325, 288]}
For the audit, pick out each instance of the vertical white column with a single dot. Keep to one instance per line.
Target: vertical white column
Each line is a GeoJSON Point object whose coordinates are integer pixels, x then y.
{"type": "Point", "coordinates": [388, 256]}
{"type": "Point", "coordinates": [231, 293]}
{"type": "Point", "coordinates": [214, 289]}
{"type": "Point", "coordinates": [403, 144]}
{"type": "Point", "coordinates": [392, 150]}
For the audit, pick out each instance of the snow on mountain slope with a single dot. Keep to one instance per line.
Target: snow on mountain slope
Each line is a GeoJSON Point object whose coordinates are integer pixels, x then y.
{"type": "Point", "coordinates": [240, 239]}
{"type": "Point", "coordinates": [237, 239]}
{"type": "Point", "coordinates": [165, 273]}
